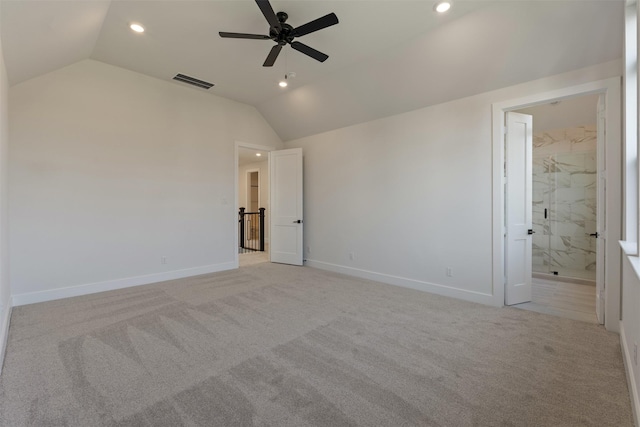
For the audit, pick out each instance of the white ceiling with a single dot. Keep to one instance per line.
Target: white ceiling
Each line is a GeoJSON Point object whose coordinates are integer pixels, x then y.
{"type": "Point", "coordinates": [249, 155]}
{"type": "Point", "coordinates": [568, 113]}
{"type": "Point", "coordinates": [385, 56]}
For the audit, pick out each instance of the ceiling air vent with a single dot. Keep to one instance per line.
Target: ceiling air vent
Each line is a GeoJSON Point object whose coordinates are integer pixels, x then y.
{"type": "Point", "coordinates": [193, 81]}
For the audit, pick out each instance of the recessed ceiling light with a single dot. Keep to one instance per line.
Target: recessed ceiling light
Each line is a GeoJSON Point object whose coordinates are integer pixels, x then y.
{"type": "Point", "coordinates": [258, 154]}
{"type": "Point", "coordinates": [137, 28]}
{"type": "Point", "coordinates": [283, 83]}
{"type": "Point", "coordinates": [442, 7]}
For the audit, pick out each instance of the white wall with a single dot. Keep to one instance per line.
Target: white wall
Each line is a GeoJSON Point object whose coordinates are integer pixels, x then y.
{"type": "Point", "coordinates": [410, 195]}
{"type": "Point", "coordinates": [5, 291]}
{"type": "Point", "coordinates": [112, 170]}
{"type": "Point", "coordinates": [263, 175]}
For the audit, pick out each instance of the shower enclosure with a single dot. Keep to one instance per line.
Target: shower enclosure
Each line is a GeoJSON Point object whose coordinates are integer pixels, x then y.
{"type": "Point", "coordinates": [564, 203]}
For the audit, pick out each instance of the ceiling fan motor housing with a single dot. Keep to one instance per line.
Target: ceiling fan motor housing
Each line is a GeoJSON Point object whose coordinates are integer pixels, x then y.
{"type": "Point", "coordinates": [283, 36]}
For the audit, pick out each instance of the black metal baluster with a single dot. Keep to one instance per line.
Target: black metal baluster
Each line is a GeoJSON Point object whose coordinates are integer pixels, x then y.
{"type": "Point", "coordinates": [261, 229]}
{"type": "Point", "coordinates": [241, 226]}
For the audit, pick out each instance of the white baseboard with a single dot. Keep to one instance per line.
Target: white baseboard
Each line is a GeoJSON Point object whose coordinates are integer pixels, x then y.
{"type": "Point", "coordinates": [433, 288]}
{"type": "Point", "coordinates": [109, 285]}
{"type": "Point", "coordinates": [628, 365]}
{"type": "Point", "coordinates": [4, 332]}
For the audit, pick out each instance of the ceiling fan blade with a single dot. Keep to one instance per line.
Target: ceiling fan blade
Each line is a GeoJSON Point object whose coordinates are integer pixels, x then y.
{"type": "Point", "coordinates": [269, 14]}
{"type": "Point", "coordinates": [273, 54]}
{"type": "Point", "coordinates": [309, 51]}
{"type": "Point", "coordinates": [243, 36]}
{"type": "Point", "coordinates": [318, 24]}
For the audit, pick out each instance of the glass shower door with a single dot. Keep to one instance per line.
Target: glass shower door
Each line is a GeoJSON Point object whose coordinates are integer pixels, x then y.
{"type": "Point", "coordinates": [564, 215]}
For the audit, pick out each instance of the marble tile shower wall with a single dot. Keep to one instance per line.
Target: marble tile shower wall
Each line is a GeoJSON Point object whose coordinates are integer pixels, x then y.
{"type": "Point", "coordinates": [564, 183]}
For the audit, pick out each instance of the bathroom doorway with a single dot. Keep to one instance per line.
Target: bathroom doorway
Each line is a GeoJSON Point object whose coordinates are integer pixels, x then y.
{"type": "Point", "coordinates": [565, 207]}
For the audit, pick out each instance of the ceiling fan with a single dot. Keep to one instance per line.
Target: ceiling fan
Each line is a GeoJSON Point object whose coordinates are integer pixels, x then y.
{"type": "Point", "coordinates": [283, 33]}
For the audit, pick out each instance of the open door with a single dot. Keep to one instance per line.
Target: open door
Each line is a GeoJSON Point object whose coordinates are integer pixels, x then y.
{"type": "Point", "coordinates": [286, 206]}
{"type": "Point", "coordinates": [601, 220]}
{"type": "Point", "coordinates": [518, 213]}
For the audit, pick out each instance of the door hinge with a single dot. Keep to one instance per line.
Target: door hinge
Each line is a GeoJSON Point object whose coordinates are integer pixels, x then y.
{"type": "Point", "coordinates": [504, 130]}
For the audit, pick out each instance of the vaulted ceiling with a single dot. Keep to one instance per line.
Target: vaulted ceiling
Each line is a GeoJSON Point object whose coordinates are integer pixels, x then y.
{"type": "Point", "coordinates": [385, 56]}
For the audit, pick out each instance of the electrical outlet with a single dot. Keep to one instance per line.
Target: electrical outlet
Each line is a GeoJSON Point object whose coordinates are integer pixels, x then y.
{"type": "Point", "coordinates": [635, 354]}
{"type": "Point", "coordinates": [352, 256]}
{"type": "Point", "coordinates": [163, 260]}
{"type": "Point", "coordinates": [449, 272]}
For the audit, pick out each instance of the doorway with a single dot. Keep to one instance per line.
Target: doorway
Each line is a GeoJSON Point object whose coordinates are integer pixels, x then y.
{"type": "Point", "coordinates": [281, 196]}
{"type": "Point", "coordinates": [609, 126]}
{"type": "Point", "coordinates": [252, 203]}
{"type": "Point", "coordinates": [564, 207]}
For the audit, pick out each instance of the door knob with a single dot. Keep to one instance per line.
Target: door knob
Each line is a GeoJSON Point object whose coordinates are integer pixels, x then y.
{"type": "Point", "coordinates": [298, 221]}
{"type": "Point", "coordinates": [596, 234]}
{"type": "Point", "coordinates": [530, 231]}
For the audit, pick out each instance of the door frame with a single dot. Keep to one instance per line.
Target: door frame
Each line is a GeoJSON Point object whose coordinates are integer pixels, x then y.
{"type": "Point", "coordinates": [611, 89]}
{"type": "Point", "coordinates": [236, 190]}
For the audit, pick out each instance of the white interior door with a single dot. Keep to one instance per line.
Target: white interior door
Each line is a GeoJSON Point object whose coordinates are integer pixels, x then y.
{"type": "Point", "coordinates": [286, 206]}
{"type": "Point", "coordinates": [518, 214]}
{"type": "Point", "coordinates": [601, 233]}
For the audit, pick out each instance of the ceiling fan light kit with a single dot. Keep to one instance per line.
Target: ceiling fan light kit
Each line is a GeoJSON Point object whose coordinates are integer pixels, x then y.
{"type": "Point", "coordinates": [283, 33]}
{"type": "Point", "coordinates": [285, 83]}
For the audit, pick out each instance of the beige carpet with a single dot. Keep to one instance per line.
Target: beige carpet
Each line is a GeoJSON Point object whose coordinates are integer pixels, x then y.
{"type": "Point", "coordinates": [273, 345]}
